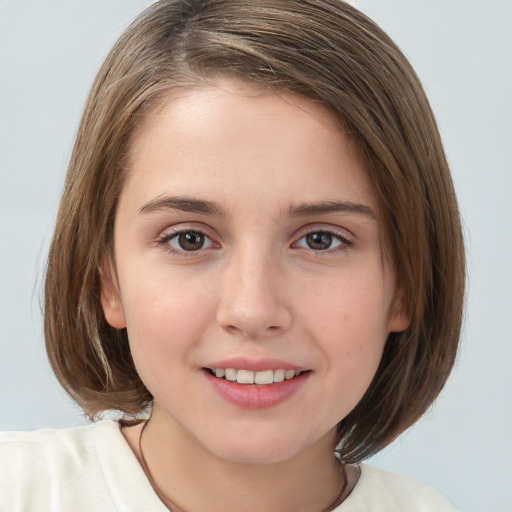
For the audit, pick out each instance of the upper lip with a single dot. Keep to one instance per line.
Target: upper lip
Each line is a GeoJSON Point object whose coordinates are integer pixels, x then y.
{"type": "Point", "coordinates": [255, 365]}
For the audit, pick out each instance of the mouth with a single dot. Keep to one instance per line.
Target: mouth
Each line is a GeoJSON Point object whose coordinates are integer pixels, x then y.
{"type": "Point", "coordinates": [254, 385]}
{"type": "Point", "coordinates": [262, 378]}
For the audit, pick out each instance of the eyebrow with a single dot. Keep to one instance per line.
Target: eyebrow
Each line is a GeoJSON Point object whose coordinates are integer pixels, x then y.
{"type": "Point", "coordinates": [191, 205]}
{"type": "Point", "coordinates": [323, 207]}
{"type": "Point", "coordinates": [185, 204]}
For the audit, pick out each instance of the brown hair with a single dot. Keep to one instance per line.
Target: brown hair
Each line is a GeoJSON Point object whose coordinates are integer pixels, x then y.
{"type": "Point", "coordinates": [324, 50]}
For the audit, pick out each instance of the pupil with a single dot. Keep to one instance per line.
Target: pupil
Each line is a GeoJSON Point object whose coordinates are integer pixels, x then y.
{"type": "Point", "coordinates": [191, 241]}
{"type": "Point", "coordinates": [319, 240]}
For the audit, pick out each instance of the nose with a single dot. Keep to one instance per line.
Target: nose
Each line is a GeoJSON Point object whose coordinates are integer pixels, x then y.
{"type": "Point", "coordinates": [254, 301]}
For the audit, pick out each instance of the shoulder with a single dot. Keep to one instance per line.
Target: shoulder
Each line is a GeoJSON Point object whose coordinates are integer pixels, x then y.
{"type": "Point", "coordinates": [35, 466]}
{"type": "Point", "coordinates": [384, 491]}
{"type": "Point", "coordinates": [78, 469]}
{"type": "Point", "coordinates": [51, 447]}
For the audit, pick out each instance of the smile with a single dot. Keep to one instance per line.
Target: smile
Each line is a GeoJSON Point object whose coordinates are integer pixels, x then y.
{"type": "Point", "coordinates": [256, 389]}
{"type": "Point", "coordinates": [264, 377]}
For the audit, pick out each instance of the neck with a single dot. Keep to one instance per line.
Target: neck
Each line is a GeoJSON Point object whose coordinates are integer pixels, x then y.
{"type": "Point", "coordinates": [186, 476]}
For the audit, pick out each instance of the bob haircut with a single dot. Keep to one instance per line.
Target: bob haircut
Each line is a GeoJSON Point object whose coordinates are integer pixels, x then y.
{"type": "Point", "coordinates": [324, 50]}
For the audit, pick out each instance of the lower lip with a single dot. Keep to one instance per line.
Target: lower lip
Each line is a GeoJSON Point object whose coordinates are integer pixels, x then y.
{"type": "Point", "coordinates": [254, 396]}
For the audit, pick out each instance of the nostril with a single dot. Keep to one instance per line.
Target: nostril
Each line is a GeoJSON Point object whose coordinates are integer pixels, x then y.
{"type": "Point", "coordinates": [254, 319]}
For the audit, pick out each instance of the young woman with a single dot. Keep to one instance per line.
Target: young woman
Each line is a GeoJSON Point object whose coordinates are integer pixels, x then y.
{"type": "Point", "coordinates": [259, 252]}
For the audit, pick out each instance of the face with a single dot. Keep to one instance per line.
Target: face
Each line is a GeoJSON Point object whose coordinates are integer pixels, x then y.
{"type": "Point", "coordinates": [249, 272]}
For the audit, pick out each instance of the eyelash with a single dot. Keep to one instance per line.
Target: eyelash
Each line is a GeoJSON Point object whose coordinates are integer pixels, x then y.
{"type": "Point", "coordinates": [163, 241]}
{"type": "Point", "coordinates": [344, 242]}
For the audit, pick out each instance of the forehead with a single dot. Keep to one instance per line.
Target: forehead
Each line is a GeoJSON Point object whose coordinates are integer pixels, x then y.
{"type": "Point", "coordinates": [242, 136]}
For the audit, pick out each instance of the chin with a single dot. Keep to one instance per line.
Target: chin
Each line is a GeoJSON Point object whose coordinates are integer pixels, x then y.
{"type": "Point", "coordinates": [256, 450]}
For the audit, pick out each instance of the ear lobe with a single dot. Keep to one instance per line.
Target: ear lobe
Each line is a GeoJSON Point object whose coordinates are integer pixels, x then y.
{"type": "Point", "coordinates": [110, 297]}
{"type": "Point", "coordinates": [399, 319]}
{"type": "Point", "coordinates": [399, 322]}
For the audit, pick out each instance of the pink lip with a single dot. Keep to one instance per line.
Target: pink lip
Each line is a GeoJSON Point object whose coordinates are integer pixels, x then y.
{"type": "Point", "coordinates": [254, 396]}
{"type": "Point", "coordinates": [254, 365]}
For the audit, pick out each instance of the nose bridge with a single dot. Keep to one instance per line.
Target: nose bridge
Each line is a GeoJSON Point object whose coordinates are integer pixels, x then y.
{"type": "Point", "coordinates": [253, 301]}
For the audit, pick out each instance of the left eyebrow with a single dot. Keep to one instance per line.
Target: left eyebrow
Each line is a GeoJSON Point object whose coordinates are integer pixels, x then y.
{"type": "Point", "coordinates": [185, 204]}
{"type": "Point", "coordinates": [323, 207]}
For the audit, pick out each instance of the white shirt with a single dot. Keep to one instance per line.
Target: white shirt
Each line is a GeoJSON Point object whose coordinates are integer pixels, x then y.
{"type": "Point", "coordinates": [93, 469]}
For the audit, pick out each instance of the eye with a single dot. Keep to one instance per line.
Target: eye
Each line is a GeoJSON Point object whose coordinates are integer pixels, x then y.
{"type": "Point", "coordinates": [188, 241]}
{"type": "Point", "coordinates": [323, 241]}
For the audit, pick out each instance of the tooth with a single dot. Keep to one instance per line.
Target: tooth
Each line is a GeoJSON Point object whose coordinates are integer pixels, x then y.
{"type": "Point", "coordinates": [289, 374]}
{"type": "Point", "coordinates": [297, 373]}
{"type": "Point", "coordinates": [219, 372]}
{"type": "Point", "coordinates": [230, 374]}
{"type": "Point", "coordinates": [265, 377]}
{"type": "Point", "coordinates": [278, 375]}
{"type": "Point", "coordinates": [245, 377]}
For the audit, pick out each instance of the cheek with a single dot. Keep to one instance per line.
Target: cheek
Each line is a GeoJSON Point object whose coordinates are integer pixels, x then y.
{"type": "Point", "coordinates": [351, 308]}
{"type": "Point", "coordinates": [349, 323]}
{"type": "Point", "coordinates": [165, 323]}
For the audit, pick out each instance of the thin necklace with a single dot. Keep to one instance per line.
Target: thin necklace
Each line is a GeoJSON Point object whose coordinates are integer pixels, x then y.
{"type": "Point", "coordinates": [174, 508]}
{"type": "Point", "coordinates": [165, 499]}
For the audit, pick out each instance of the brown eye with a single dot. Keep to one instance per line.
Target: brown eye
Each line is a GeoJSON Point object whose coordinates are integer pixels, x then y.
{"type": "Point", "coordinates": [319, 241]}
{"type": "Point", "coordinates": [189, 241]}
{"type": "Point", "coordinates": [323, 241]}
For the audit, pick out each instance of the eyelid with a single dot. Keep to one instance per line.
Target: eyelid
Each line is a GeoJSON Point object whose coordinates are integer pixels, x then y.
{"type": "Point", "coordinates": [344, 236]}
{"type": "Point", "coordinates": [338, 231]}
{"type": "Point", "coordinates": [183, 227]}
{"type": "Point", "coordinates": [173, 231]}
{"type": "Point", "coordinates": [207, 241]}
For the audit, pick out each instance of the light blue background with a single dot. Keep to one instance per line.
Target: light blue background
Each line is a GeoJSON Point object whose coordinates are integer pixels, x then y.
{"type": "Point", "coordinates": [49, 53]}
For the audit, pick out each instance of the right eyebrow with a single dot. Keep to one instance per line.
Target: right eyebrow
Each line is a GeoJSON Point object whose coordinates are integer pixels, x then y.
{"type": "Point", "coordinates": [325, 207]}
{"type": "Point", "coordinates": [183, 203]}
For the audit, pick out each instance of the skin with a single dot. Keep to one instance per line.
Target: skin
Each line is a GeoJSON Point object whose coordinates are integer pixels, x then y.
{"type": "Point", "coordinates": [255, 289]}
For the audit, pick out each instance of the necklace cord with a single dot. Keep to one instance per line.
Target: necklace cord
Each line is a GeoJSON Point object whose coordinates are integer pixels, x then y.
{"type": "Point", "coordinates": [165, 499]}
{"type": "Point", "coordinates": [169, 503]}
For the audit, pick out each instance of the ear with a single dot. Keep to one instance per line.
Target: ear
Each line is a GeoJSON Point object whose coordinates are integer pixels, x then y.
{"type": "Point", "coordinates": [110, 297]}
{"type": "Point", "coordinates": [399, 319]}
